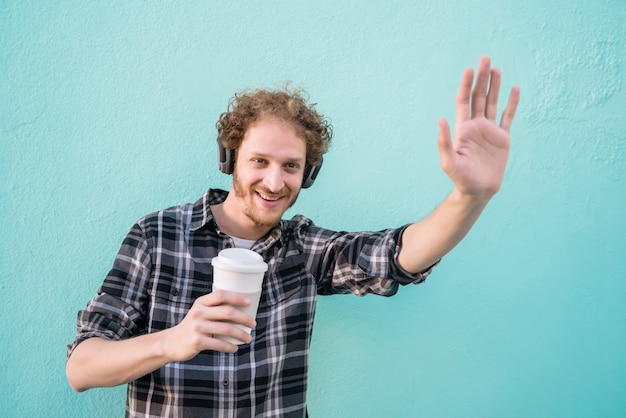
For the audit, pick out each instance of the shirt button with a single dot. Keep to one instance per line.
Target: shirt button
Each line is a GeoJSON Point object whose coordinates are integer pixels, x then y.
{"type": "Point", "coordinates": [175, 292]}
{"type": "Point", "coordinates": [225, 382]}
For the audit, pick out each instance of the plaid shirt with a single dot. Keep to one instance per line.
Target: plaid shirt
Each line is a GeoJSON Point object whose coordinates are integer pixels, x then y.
{"type": "Point", "coordinates": [164, 264]}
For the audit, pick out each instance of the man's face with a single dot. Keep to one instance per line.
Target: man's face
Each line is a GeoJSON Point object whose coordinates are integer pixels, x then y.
{"type": "Point", "coordinates": [268, 171]}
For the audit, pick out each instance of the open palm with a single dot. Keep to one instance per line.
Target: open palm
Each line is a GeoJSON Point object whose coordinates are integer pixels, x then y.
{"type": "Point", "coordinates": [476, 160]}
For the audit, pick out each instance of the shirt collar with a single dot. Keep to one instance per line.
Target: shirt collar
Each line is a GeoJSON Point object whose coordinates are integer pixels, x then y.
{"type": "Point", "coordinates": [201, 213]}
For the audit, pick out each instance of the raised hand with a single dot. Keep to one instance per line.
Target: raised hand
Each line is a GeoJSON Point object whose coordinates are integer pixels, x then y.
{"type": "Point", "coordinates": [476, 160]}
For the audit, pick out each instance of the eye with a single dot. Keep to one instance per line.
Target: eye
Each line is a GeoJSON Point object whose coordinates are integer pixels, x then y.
{"type": "Point", "coordinates": [293, 166]}
{"type": "Point", "coordinates": [259, 161]}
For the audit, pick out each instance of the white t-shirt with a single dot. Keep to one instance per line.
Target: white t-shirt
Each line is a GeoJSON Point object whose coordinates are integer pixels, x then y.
{"type": "Point", "coordinates": [243, 243]}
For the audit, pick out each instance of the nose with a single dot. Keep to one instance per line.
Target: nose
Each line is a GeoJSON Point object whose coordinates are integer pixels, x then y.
{"type": "Point", "coordinates": [274, 179]}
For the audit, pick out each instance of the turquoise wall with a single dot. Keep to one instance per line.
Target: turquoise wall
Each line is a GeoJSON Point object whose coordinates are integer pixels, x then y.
{"type": "Point", "coordinates": [107, 112]}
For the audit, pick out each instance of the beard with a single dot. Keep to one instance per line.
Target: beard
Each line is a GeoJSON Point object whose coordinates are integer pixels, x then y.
{"type": "Point", "coordinates": [247, 198]}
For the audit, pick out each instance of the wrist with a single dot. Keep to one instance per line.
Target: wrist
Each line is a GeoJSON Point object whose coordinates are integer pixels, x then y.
{"type": "Point", "coordinates": [161, 346]}
{"type": "Point", "coordinates": [470, 200]}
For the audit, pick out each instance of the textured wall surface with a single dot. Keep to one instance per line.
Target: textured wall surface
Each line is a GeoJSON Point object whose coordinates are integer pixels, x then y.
{"type": "Point", "coordinates": [107, 112]}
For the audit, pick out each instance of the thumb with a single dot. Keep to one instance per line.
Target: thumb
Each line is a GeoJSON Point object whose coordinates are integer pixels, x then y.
{"type": "Point", "coordinates": [444, 142]}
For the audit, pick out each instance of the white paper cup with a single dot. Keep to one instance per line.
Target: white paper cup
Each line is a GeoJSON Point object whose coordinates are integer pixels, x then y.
{"type": "Point", "coordinates": [241, 271]}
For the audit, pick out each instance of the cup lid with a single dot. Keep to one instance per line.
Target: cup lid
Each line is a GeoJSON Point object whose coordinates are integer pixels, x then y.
{"type": "Point", "coordinates": [240, 259]}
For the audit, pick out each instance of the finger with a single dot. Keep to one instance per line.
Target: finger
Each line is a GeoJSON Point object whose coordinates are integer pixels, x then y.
{"type": "Point", "coordinates": [492, 96]}
{"type": "Point", "coordinates": [221, 313]}
{"type": "Point", "coordinates": [229, 313]}
{"type": "Point", "coordinates": [220, 297]}
{"type": "Point", "coordinates": [509, 112]}
{"type": "Point", "coordinates": [223, 346]}
{"type": "Point", "coordinates": [202, 341]}
{"type": "Point", "coordinates": [479, 93]}
{"type": "Point", "coordinates": [463, 96]}
{"type": "Point", "coordinates": [211, 341]}
{"type": "Point", "coordinates": [446, 149]}
{"type": "Point", "coordinates": [229, 330]}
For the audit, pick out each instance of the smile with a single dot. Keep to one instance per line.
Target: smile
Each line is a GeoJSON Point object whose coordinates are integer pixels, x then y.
{"type": "Point", "coordinates": [270, 198]}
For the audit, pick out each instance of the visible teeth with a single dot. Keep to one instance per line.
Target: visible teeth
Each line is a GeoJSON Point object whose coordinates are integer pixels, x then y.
{"type": "Point", "coordinates": [268, 197]}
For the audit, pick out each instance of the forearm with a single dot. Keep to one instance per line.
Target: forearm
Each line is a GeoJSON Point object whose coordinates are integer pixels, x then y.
{"type": "Point", "coordinates": [97, 362]}
{"type": "Point", "coordinates": [427, 241]}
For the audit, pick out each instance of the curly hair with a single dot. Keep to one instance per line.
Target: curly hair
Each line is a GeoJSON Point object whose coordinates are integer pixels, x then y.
{"type": "Point", "coordinates": [290, 106]}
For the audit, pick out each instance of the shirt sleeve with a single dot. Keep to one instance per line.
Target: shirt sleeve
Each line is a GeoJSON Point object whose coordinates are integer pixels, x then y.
{"type": "Point", "coordinates": [358, 262]}
{"type": "Point", "coordinates": [119, 309]}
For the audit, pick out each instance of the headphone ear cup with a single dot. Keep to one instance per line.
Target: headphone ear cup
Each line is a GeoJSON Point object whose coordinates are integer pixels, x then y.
{"type": "Point", "coordinates": [310, 174]}
{"type": "Point", "coordinates": [225, 158]}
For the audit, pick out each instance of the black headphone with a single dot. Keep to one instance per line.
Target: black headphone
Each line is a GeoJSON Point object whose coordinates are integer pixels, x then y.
{"type": "Point", "coordinates": [226, 161]}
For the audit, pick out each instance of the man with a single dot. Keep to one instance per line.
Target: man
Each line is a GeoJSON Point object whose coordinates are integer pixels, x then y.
{"type": "Point", "coordinates": [153, 322]}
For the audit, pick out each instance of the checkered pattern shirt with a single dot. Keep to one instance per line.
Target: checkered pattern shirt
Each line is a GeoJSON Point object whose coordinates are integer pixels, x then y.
{"type": "Point", "coordinates": [164, 264]}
